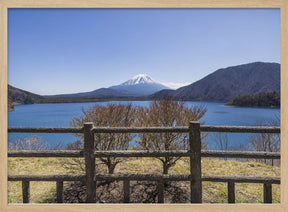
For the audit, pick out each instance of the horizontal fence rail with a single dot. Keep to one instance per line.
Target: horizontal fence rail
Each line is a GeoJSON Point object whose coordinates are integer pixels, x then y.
{"type": "Point", "coordinates": [144, 177]}
{"type": "Point", "coordinates": [246, 179]}
{"type": "Point", "coordinates": [136, 153]}
{"type": "Point", "coordinates": [140, 129]}
{"type": "Point", "coordinates": [45, 130]}
{"type": "Point", "coordinates": [47, 177]}
{"type": "Point", "coordinates": [47, 153]}
{"type": "Point", "coordinates": [203, 128]}
{"type": "Point", "coordinates": [240, 154]}
{"type": "Point", "coordinates": [239, 129]}
{"type": "Point", "coordinates": [194, 153]}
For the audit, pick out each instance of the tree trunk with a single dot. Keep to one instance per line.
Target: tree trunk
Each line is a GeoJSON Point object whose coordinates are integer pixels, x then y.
{"type": "Point", "coordinates": [111, 168]}
{"type": "Point", "coordinates": [165, 168]}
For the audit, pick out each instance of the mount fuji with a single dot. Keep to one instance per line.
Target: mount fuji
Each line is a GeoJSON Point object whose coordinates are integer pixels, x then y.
{"type": "Point", "coordinates": [140, 84]}
{"type": "Point", "coordinates": [138, 87]}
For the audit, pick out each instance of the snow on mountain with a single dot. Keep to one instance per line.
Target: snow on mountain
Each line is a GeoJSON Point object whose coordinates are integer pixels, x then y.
{"type": "Point", "coordinates": [140, 84]}
{"type": "Point", "coordinates": [139, 79]}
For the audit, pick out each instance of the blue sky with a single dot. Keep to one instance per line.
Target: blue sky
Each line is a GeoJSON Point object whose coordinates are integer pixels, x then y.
{"type": "Point", "coordinates": [54, 51]}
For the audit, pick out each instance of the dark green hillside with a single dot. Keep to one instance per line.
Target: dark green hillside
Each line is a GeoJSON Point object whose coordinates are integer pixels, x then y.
{"type": "Point", "coordinates": [18, 96]}
{"type": "Point", "coordinates": [10, 106]}
{"type": "Point", "coordinates": [267, 99]}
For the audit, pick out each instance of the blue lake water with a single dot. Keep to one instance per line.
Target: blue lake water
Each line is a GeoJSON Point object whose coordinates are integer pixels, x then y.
{"type": "Point", "coordinates": [59, 115]}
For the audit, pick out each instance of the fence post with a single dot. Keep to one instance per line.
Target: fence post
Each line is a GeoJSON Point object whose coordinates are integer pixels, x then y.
{"type": "Point", "coordinates": [267, 193]}
{"type": "Point", "coordinates": [59, 191]}
{"type": "Point", "coordinates": [89, 162]}
{"type": "Point", "coordinates": [25, 191]}
{"type": "Point", "coordinates": [231, 192]}
{"type": "Point", "coordinates": [160, 190]}
{"type": "Point", "coordinates": [126, 188]}
{"type": "Point", "coordinates": [195, 162]}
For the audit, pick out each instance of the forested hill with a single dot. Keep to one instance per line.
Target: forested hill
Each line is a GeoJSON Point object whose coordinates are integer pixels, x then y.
{"type": "Point", "coordinates": [227, 83]}
{"type": "Point", "coordinates": [18, 96]}
{"type": "Point", "coordinates": [267, 99]}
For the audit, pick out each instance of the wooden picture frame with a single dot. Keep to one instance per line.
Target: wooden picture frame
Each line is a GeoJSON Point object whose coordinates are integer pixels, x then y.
{"type": "Point", "coordinates": [6, 4]}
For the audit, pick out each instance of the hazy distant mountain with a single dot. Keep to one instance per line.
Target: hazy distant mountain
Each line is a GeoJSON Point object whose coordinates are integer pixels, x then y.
{"type": "Point", "coordinates": [228, 83]}
{"type": "Point", "coordinates": [140, 84]}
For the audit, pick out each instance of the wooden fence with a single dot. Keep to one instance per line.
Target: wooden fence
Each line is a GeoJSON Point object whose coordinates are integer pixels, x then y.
{"type": "Point", "coordinates": [194, 153]}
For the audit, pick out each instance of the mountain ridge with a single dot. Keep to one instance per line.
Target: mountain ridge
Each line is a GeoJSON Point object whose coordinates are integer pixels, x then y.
{"type": "Point", "coordinates": [222, 85]}
{"type": "Point", "coordinates": [139, 85]}
{"type": "Point", "coordinates": [226, 83]}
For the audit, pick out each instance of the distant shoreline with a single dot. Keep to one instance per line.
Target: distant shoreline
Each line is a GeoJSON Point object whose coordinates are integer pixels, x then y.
{"type": "Point", "coordinates": [67, 101]}
{"type": "Point", "coordinates": [272, 107]}
{"type": "Point", "coordinates": [231, 103]}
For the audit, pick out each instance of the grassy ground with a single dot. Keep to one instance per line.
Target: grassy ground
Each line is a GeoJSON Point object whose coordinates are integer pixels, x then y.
{"type": "Point", "coordinates": [42, 192]}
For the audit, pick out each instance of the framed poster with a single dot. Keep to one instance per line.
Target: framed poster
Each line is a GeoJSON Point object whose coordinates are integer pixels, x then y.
{"type": "Point", "coordinates": [67, 40]}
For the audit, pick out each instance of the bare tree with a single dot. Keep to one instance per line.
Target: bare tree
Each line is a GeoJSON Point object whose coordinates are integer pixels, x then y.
{"type": "Point", "coordinates": [29, 143]}
{"type": "Point", "coordinates": [112, 115]}
{"type": "Point", "coordinates": [266, 142]}
{"type": "Point", "coordinates": [166, 113]}
{"type": "Point", "coordinates": [221, 141]}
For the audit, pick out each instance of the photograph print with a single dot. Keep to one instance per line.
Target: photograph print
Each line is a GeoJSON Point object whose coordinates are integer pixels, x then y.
{"type": "Point", "coordinates": [143, 106]}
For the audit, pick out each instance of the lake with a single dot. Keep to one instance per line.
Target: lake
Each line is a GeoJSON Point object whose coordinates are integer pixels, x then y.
{"type": "Point", "coordinates": [59, 115]}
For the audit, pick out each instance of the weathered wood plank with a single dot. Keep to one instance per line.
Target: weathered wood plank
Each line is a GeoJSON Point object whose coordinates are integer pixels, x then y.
{"type": "Point", "coordinates": [126, 188]}
{"type": "Point", "coordinates": [89, 162]}
{"type": "Point", "coordinates": [272, 180]}
{"type": "Point", "coordinates": [80, 153]}
{"type": "Point", "coordinates": [240, 154]}
{"type": "Point", "coordinates": [26, 191]}
{"type": "Point", "coordinates": [47, 153]}
{"type": "Point", "coordinates": [142, 153]}
{"type": "Point", "coordinates": [195, 162]}
{"type": "Point", "coordinates": [231, 192]}
{"type": "Point", "coordinates": [47, 177]}
{"type": "Point", "coordinates": [140, 129]}
{"type": "Point", "coordinates": [267, 190]}
{"type": "Point", "coordinates": [45, 130]}
{"type": "Point", "coordinates": [240, 129]}
{"type": "Point", "coordinates": [160, 191]}
{"type": "Point", "coordinates": [59, 191]}
{"type": "Point", "coordinates": [128, 153]}
{"type": "Point", "coordinates": [184, 129]}
{"type": "Point", "coordinates": [144, 177]}
{"type": "Point", "coordinates": [181, 129]}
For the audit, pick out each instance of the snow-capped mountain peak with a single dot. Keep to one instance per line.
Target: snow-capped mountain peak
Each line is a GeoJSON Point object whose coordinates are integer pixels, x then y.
{"type": "Point", "coordinates": [140, 84]}
{"type": "Point", "coordinates": [139, 79]}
